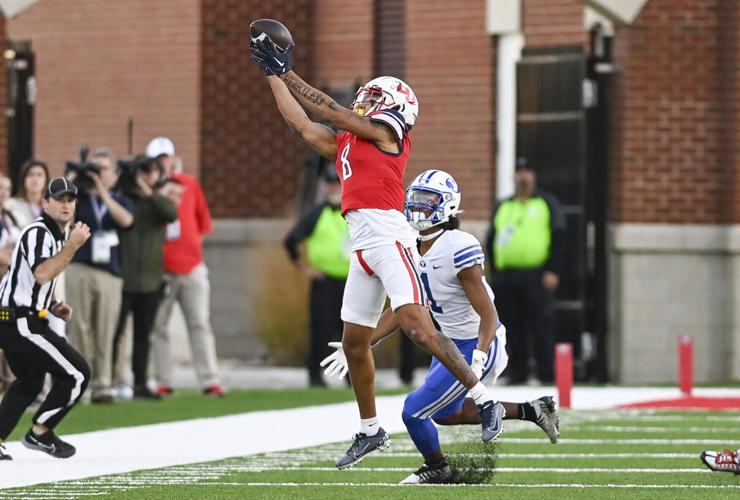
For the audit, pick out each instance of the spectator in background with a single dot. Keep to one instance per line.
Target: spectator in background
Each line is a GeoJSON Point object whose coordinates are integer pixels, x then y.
{"type": "Point", "coordinates": [26, 205]}
{"type": "Point", "coordinates": [142, 253]}
{"type": "Point", "coordinates": [525, 242]}
{"type": "Point", "coordinates": [9, 235]}
{"type": "Point", "coordinates": [326, 262]}
{"type": "Point", "coordinates": [186, 280]}
{"type": "Point", "coordinates": [93, 279]}
{"type": "Point", "coordinates": [10, 230]}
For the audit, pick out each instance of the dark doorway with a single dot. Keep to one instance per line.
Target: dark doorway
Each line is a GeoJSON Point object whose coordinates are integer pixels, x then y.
{"type": "Point", "coordinates": [20, 71]}
{"type": "Point", "coordinates": [552, 98]}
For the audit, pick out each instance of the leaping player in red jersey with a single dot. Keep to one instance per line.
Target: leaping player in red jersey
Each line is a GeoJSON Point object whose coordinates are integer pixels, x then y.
{"type": "Point", "coordinates": [371, 156]}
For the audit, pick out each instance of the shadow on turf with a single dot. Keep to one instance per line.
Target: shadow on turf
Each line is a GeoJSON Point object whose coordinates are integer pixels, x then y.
{"type": "Point", "coordinates": [475, 467]}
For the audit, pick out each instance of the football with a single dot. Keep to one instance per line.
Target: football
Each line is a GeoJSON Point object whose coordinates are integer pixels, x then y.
{"type": "Point", "coordinates": [274, 29]}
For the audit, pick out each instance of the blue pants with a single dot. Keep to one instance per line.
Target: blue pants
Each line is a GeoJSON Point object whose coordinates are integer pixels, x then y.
{"type": "Point", "coordinates": [440, 396]}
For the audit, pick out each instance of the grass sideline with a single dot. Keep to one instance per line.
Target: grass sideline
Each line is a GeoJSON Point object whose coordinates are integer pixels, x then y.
{"type": "Point", "coordinates": [625, 454]}
{"type": "Point", "coordinates": [185, 405]}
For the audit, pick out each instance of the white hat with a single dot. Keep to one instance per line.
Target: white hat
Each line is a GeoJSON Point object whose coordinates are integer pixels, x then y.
{"type": "Point", "coordinates": [160, 146]}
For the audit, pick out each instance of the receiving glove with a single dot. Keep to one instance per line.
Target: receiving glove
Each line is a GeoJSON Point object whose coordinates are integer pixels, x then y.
{"type": "Point", "coordinates": [272, 59]}
{"type": "Point", "coordinates": [336, 362]}
{"type": "Point", "coordinates": [478, 363]}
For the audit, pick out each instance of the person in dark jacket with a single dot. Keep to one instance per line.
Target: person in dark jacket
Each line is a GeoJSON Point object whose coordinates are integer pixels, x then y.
{"type": "Point", "coordinates": [525, 248]}
{"type": "Point", "coordinates": [142, 248]}
{"type": "Point", "coordinates": [325, 236]}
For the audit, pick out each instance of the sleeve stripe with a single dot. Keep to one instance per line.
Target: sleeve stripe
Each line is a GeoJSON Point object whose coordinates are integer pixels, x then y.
{"type": "Point", "coordinates": [466, 248]}
{"type": "Point", "coordinates": [472, 253]}
{"type": "Point", "coordinates": [475, 260]}
{"type": "Point", "coordinates": [391, 120]}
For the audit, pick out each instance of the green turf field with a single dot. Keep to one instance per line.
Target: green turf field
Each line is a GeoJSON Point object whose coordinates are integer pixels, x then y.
{"type": "Point", "coordinates": [602, 455]}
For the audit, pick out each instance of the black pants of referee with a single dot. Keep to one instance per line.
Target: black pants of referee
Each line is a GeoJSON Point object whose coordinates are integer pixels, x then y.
{"type": "Point", "coordinates": [33, 350]}
{"type": "Point", "coordinates": [326, 322]}
{"type": "Point", "coordinates": [525, 308]}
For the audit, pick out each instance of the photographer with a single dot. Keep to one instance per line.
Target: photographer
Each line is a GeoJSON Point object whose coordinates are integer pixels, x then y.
{"type": "Point", "coordinates": [93, 279]}
{"type": "Point", "coordinates": [142, 251]}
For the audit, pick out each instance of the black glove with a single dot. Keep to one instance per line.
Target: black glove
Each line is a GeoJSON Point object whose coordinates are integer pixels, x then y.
{"type": "Point", "coordinates": [272, 59]}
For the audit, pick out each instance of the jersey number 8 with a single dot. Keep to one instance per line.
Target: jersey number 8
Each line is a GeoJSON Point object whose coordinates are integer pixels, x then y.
{"type": "Point", "coordinates": [346, 167]}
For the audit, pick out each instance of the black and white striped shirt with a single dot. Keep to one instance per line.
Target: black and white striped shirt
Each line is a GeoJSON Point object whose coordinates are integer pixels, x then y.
{"type": "Point", "coordinates": [39, 241]}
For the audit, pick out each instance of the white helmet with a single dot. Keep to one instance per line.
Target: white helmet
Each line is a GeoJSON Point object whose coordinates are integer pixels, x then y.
{"type": "Point", "coordinates": [387, 92]}
{"type": "Point", "coordinates": [433, 191]}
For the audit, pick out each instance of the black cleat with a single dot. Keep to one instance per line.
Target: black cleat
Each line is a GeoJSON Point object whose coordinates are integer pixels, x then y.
{"type": "Point", "coordinates": [361, 446]}
{"type": "Point", "coordinates": [492, 415]}
{"type": "Point", "coordinates": [48, 442]}
{"type": "Point", "coordinates": [440, 473]}
{"type": "Point", "coordinates": [146, 393]}
{"type": "Point", "coordinates": [4, 454]}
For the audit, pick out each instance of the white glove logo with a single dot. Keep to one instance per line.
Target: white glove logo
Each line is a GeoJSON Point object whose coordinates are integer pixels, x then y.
{"type": "Point", "coordinates": [336, 362]}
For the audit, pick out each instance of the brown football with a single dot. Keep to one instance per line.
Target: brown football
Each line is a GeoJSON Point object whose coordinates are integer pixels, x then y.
{"type": "Point", "coordinates": [274, 29]}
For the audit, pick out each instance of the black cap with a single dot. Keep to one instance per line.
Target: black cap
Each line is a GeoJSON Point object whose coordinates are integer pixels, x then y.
{"type": "Point", "coordinates": [521, 163]}
{"type": "Point", "coordinates": [59, 187]}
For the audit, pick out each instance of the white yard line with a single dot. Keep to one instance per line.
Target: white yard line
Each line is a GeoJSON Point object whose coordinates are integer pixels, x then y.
{"type": "Point", "coordinates": [506, 485]}
{"type": "Point", "coordinates": [202, 440]}
{"type": "Point", "coordinates": [559, 470]}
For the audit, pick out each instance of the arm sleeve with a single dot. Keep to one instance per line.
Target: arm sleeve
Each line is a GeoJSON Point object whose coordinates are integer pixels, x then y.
{"type": "Point", "coordinates": [393, 119]}
{"type": "Point", "coordinates": [164, 209]}
{"type": "Point", "coordinates": [557, 227]}
{"type": "Point", "coordinates": [467, 252]}
{"type": "Point", "coordinates": [302, 229]}
{"type": "Point", "coordinates": [202, 213]}
{"type": "Point", "coordinates": [36, 244]}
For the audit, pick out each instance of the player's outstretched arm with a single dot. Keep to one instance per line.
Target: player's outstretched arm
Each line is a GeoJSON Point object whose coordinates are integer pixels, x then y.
{"type": "Point", "coordinates": [320, 137]}
{"type": "Point", "coordinates": [320, 104]}
{"type": "Point", "coordinates": [471, 279]}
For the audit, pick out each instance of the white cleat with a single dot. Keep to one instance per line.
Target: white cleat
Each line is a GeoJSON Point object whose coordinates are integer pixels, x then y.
{"type": "Point", "coordinates": [547, 417]}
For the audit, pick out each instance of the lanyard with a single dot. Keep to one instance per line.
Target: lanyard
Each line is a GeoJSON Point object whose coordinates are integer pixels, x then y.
{"type": "Point", "coordinates": [99, 211]}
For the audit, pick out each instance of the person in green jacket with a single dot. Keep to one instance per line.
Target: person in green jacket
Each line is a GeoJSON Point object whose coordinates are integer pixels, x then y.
{"type": "Point", "coordinates": [142, 247]}
{"type": "Point", "coordinates": [525, 248]}
{"type": "Point", "coordinates": [325, 260]}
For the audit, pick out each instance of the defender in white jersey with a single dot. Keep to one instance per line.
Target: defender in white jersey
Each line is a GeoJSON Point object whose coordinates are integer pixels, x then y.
{"type": "Point", "coordinates": [451, 270]}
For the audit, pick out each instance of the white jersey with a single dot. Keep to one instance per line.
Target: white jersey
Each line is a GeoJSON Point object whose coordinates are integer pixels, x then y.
{"type": "Point", "coordinates": [452, 252]}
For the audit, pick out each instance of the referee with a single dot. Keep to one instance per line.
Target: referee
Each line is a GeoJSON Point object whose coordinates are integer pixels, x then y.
{"type": "Point", "coordinates": [31, 345]}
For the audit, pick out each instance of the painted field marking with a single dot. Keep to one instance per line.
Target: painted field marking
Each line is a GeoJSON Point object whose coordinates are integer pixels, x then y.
{"type": "Point", "coordinates": [559, 470]}
{"type": "Point", "coordinates": [709, 442]}
{"type": "Point", "coordinates": [502, 485]}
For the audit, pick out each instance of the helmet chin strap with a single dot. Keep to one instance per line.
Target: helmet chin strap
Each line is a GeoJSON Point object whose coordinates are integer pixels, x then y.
{"type": "Point", "coordinates": [430, 236]}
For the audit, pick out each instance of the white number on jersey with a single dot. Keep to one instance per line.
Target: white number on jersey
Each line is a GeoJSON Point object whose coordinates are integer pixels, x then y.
{"type": "Point", "coordinates": [346, 167]}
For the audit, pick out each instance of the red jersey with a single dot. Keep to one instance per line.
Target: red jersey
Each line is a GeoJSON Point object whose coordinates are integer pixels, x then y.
{"type": "Point", "coordinates": [370, 177]}
{"type": "Point", "coordinates": [183, 249]}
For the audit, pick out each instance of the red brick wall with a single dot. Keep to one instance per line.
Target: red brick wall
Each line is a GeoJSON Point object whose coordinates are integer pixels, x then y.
{"type": "Point", "coordinates": [251, 162]}
{"type": "Point", "coordinates": [730, 96]}
{"type": "Point", "coordinates": [451, 65]}
{"type": "Point", "coordinates": [99, 62]}
{"type": "Point", "coordinates": [343, 42]}
{"type": "Point", "coordinates": [547, 23]}
{"type": "Point", "coordinates": [675, 154]}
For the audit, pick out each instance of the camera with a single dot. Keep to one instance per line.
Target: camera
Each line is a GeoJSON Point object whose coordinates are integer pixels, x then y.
{"type": "Point", "coordinates": [128, 170]}
{"type": "Point", "coordinates": [81, 169]}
